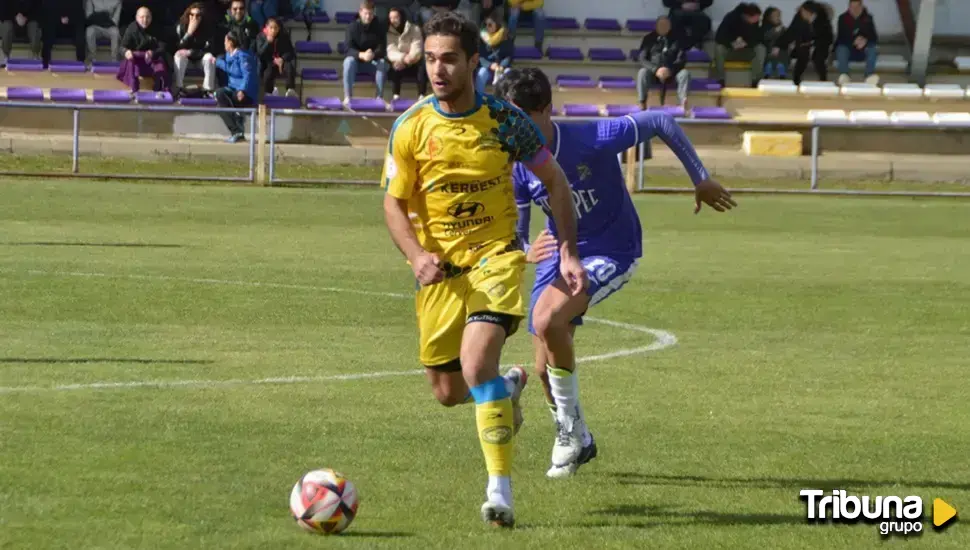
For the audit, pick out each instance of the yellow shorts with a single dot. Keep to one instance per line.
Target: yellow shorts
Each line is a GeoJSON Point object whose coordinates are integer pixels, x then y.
{"type": "Point", "coordinates": [487, 280]}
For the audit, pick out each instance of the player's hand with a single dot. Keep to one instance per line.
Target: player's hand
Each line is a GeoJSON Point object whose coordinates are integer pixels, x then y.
{"type": "Point", "coordinates": [542, 249]}
{"type": "Point", "coordinates": [426, 270]}
{"type": "Point", "coordinates": [573, 273]}
{"type": "Point", "coordinates": [714, 195]}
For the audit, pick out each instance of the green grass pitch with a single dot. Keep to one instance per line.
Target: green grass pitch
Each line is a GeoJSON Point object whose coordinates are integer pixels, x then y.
{"type": "Point", "coordinates": [822, 343]}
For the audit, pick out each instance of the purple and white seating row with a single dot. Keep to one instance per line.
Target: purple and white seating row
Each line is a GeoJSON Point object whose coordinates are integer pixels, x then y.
{"type": "Point", "coordinates": [693, 56]}
{"type": "Point", "coordinates": [628, 83]}
{"type": "Point", "coordinates": [589, 110]}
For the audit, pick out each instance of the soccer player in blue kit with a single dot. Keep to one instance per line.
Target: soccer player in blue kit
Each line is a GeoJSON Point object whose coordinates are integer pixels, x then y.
{"type": "Point", "coordinates": [609, 238]}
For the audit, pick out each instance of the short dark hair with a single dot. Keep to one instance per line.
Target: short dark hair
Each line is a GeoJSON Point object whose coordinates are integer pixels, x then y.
{"type": "Point", "coordinates": [750, 9]}
{"type": "Point", "coordinates": [233, 37]}
{"type": "Point", "coordinates": [529, 89]}
{"type": "Point", "coordinates": [450, 23]}
{"type": "Point", "coordinates": [243, 2]}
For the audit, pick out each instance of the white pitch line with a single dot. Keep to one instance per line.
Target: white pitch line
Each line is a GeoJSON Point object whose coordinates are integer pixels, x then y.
{"type": "Point", "coordinates": [663, 340]}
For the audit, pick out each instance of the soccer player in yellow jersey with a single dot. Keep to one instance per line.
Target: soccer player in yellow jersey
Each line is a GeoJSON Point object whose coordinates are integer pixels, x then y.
{"type": "Point", "coordinates": [451, 211]}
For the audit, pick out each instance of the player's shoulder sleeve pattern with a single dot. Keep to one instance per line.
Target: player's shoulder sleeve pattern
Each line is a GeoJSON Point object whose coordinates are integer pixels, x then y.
{"type": "Point", "coordinates": [400, 177]}
{"type": "Point", "coordinates": [615, 135]}
{"type": "Point", "coordinates": [519, 136]}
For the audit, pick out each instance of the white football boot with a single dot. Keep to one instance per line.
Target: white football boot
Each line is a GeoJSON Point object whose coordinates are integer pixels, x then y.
{"type": "Point", "coordinates": [497, 510]}
{"type": "Point", "coordinates": [569, 451]}
{"type": "Point", "coordinates": [515, 381]}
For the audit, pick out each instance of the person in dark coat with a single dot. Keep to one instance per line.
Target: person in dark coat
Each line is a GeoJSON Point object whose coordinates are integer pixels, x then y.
{"type": "Point", "coordinates": [739, 38]}
{"type": "Point", "coordinates": [277, 57]}
{"type": "Point", "coordinates": [663, 59]}
{"type": "Point", "coordinates": [237, 20]}
{"type": "Point", "coordinates": [366, 44]}
{"type": "Point", "coordinates": [810, 38]}
{"type": "Point", "coordinates": [690, 23]}
{"type": "Point", "coordinates": [145, 53]}
{"type": "Point", "coordinates": [196, 46]}
{"type": "Point", "coordinates": [18, 16]}
{"type": "Point", "coordinates": [857, 41]}
{"type": "Point", "coordinates": [62, 18]}
{"type": "Point", "coordinates": [495, 51]}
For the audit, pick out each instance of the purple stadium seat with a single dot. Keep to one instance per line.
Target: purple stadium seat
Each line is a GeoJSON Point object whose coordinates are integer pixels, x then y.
{"type": "Point", "coordinates": [527, 52]}
{"type": "Point", "coordinates": [675, 111]}
{"type": "Point", "coordinates": [368, 105]}
{"type": "Point", "coordinates": [320, 48]}
{"type": "Point", "coordinates": [154, 98]}
{"type": "Point", "coordinates": [320, 74]}
{"type": "Point", "coordinates": [324, 103]}
{"type": "Point", "coordinates": [698, 56]}
{"type": "Point", "coordinates": [67, 67]}
{"type": "Point", "coordinates": [596, 24]}
{"type": "Point", "coordinates": [579, 109]}
{"type": "Point", "coordinates": [641, 25]}
{"type": "Point", "coordinates": [198, 102]}
{"type": "Point", "coordinates": [23, 93]}
{"type": "Point", "coordinates": [617, 83]}
{"type": "Point", "coordinates": [705, 85]}
{"type": "Point", "coordinates": [105, 67]}
{"type": "Point", "coordinates": [24, 65]}
{"type": "Point", "coordinates": [575, 82]}
{"type": "Point", "coordinates": [710, 113]}
{"type": "Point", "coordinates": [634, 54]}
{"type": "Point", "coordinates": [345, 17]}
{"type": "Point", "coordinates": [281, 102]}
{"type": "Point", "coordinates": [342, 48]}
{"type": "Point", "coordinates": [319, 17]}
{"type": "Point", "coordinates": [622, 110]}
{"type": "Point", "coordinates": [68, 95]}
{"type": "Point", "coordinates": [401, 105]}
{"type": "Point", "coordinates": [111, 96]}
{"type": "Point", "coordinates": [564, 54]}
{"type": "Point", "coordinates": [606, 54]}
{"type": "Point", "coordinates": [560, 23]}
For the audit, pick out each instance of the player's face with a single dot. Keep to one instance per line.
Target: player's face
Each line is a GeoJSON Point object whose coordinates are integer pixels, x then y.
{"type": "Point", "coordinates": [449, 69]}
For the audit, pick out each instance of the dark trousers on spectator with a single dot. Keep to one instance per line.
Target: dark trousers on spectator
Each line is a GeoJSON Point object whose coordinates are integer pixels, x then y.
{"type": "Point", "coordinates": [53, 30]}
{"type": "Point", "coordinates": [9, 28]}
{"type": "Point", "coordinates": [817, 54]}
{"type": "Point", "coordinates": [226, 97]}
{"type": "Point", "coordinates": [271, 72]}
{"type": "Point", "coordinates": [418, 71]}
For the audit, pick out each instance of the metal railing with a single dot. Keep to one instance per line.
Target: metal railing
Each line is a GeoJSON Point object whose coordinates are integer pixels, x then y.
{"type": "Point", "coordinates": [77, 108]}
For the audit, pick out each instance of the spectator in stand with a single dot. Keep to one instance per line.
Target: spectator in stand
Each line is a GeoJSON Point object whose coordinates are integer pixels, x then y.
{"type": "Point", "coordinates": [495, 51]}
{"type": "Point", "coordinates": [810, 37]}
{"type": "Point", "coordinates": [277, 58]}
{"type": "Point", "coordinates": [739, 38]}
{"type": "Point", "coordinates": [689, 20]}
{"type": "Point", "coordinates": [516, 7]}
{"type": "Point", "coordinates": [382, 8]}
{"type": "Point", "coordinates": [663, 58]}
{"type": "Point", "coordinates": [195, 46]}
{"type": "Point", "coordinates": [405, 52]}
{"type": "Point", "coordinates": [240, 22]}
{"type": "Point", "coordinates": [145, 53]}
{"type": "Point", "coordinates": [64, 18]}
{"type": "Point", "coordinates": [857, 41]}
{"type": "Point", "coordinates": [481, 9]}
{"type": "Point", "coordinates": [18, 17]}
{"type": "Point", "coordinates": [366, 44]}
{"type": "Point", "coordinates": [772, 28]}
{"type": "Point", "coordinates": [103, 20]}
{"type": "Point", "coordinates": [262, 10]}
{"type": "Point", "coordinates": [243, 88]}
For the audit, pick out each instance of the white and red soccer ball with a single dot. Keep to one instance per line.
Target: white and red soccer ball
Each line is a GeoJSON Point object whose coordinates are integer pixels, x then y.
{"type": "Point", "coordinates": [324, 501]}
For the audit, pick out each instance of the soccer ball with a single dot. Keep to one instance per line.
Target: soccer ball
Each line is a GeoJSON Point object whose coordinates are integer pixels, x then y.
{"type": "Point", "coordinates": [324, 501]}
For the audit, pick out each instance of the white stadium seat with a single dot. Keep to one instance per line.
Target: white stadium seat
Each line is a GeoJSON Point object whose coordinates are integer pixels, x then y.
{"type": "Point", "coordinates": [902, 91]}
{"type": "Point", "coordinates": [824, 89]}
{"type": "Point", "coordinates": [962, 63]}
{"type": "Point", "coordinates": [903, 117]}
{"type": "Point", "coordinates": [958, 119]}
{"type": "Point", "coordinates": [832, 115]}
{"type": "Point", "coordinates": [891, 63]}
{"type": "Point", "coordinates": [861, 90]}
{"type": "Point", "coordinates": [944, 91]}
{"type": "Point", "coordinates": [778, 87]}
{"type": "Point", "coordinates": [869, 116]}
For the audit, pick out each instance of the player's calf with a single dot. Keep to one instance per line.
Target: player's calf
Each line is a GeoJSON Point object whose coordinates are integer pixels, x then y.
{"type": "Point", "coordinates": [448, 384]}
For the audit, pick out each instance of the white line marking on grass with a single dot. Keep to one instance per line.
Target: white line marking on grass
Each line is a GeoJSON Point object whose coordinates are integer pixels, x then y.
{"type": "Point", "coordinates": [662, 340]}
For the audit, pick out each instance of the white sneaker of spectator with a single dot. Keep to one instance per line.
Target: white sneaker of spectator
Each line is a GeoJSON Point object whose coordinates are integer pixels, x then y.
{"type": "Point", "coordinates": [290, 92]}
{"type": "Point", "coordinates": [872, 80]}
{"type": "Point", "coordinates": [844, 79]}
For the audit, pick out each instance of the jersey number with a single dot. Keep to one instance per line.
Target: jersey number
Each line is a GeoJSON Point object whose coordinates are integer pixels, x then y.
{"type": "Point", "coordinates": [600, 270]}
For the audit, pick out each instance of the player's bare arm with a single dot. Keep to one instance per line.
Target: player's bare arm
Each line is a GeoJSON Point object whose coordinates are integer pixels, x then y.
{"type": "Point", "coordinates": [564, 215]}
{"type": "Point", "coordinates": [423, 263]}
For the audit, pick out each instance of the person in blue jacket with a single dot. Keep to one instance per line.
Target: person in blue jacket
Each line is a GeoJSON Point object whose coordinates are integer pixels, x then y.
{"type": "Point", "coordinates": [243, 72]}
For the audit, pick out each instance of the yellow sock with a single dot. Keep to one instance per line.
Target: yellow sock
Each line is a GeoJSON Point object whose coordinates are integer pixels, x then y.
{"type": "Point", "coordinates": [493, 416]}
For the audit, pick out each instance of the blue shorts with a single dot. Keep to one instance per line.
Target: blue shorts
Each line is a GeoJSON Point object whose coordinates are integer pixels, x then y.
{"type": "Point", "coordinates": [607, 274]}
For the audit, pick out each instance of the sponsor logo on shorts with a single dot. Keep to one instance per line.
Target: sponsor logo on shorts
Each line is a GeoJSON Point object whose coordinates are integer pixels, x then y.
{"type": "Point", "coordinates": [497, 435]}
{"type": "Point", "coordinates": [497, 290]}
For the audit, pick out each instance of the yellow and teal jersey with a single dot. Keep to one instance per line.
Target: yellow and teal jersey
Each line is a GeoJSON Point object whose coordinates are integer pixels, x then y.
{"type": "Point", "coordinates": [455, 171]}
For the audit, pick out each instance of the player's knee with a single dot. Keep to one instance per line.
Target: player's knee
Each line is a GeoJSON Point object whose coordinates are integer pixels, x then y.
{"type": "Point", "coordinates": [447, 396]}
{"type": "Point", "coordinates": [549, 325]}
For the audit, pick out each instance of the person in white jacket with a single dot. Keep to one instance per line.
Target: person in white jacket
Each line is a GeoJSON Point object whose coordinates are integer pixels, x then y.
{"type": "Point", "coordinates": [405, 52]}
{"type": "Point", "coordinates": [103, 18]}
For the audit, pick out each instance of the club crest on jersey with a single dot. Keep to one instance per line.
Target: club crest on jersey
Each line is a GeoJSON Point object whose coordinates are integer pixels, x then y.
{"type": "Point", "coordinates": [584, 171]}
{"type": "Point", "coordinates": [434, 147]}
{"type": "Point", "coordinates": [390, 167]}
